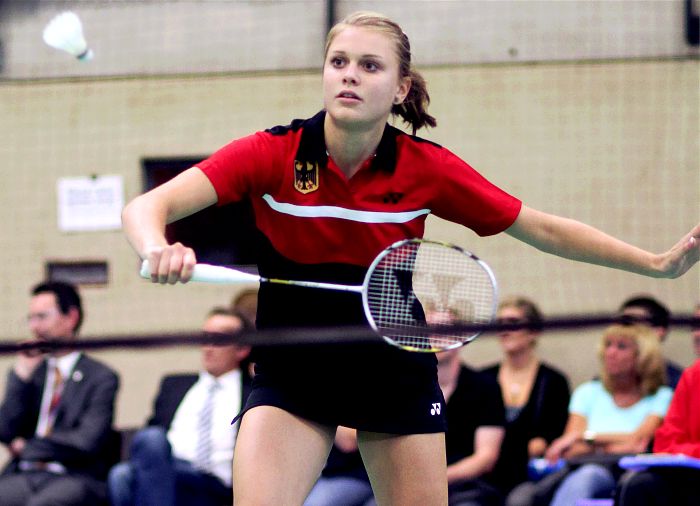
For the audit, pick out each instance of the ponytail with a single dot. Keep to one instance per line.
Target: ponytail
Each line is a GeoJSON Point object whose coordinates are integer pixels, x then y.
{"type": "Point", "coordinates": [414, 109]}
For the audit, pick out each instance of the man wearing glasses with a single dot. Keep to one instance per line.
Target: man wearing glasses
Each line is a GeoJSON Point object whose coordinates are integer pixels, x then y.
{"type": "Point", "coordinates": [57, 412]}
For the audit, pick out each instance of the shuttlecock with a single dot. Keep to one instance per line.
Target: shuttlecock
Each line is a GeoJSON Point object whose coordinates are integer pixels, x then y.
{"type": "Point", "coordinates": [65, 32]}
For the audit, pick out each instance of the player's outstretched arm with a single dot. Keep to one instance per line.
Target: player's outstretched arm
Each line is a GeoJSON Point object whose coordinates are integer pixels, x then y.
{"type": "Point", "coordinates": [145, 217]}
{"type": "Point", "coordinates": [577, 241]}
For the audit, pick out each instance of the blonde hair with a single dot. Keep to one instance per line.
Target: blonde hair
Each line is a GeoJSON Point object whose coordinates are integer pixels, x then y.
{"type": "Point", "coordinates": [649, 363]}
{"type": "Point", "coordinates": [414, 109]}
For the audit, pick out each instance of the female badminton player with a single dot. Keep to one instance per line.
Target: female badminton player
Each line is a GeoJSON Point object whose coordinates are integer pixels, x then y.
{"type": "Point", "coordinates": [329, 193]}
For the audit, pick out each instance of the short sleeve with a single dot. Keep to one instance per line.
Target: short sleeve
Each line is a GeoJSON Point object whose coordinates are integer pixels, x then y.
{"type": "Point", "coordinates": [582, 399]}
{"type": "Point", "coordinates": [661, 401]}
{"type": "Point", "coordinates": [247, 166]}
{"type": "Point", "coordinates": [468, 198]}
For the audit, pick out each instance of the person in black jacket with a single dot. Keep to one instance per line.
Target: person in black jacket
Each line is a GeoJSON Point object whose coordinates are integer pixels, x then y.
{"type": "Point", "coordinates": [184, 455]}
{"type": "Point", "coordinates": [535, 394]}
{"type": "Point", "coordinates": [56, 416]}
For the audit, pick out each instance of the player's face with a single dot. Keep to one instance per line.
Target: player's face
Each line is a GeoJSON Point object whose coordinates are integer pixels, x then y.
{"type": "Point", "coordinates": [218, 360]}
{"type": "Point", "coordinates": [361, 78]}
{"type": "Point", "coordinates": [619, 355]}
{"type": "Point", "coordinates": [517, 340]}
{"type": "Point", "coordinates": [46, 321]}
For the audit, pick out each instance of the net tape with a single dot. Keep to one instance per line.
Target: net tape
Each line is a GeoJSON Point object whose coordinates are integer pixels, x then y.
{"type": "Point", "coordinates": [314, 335]}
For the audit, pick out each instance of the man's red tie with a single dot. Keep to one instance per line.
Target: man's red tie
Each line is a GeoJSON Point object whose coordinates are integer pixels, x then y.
{"type": "Point", "coordinates": [55, 399]}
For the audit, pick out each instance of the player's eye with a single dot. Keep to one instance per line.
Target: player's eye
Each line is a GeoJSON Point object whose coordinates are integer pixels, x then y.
{"type": "Point", "coordinates": [370, 66]}
{"type": "Point", "coordinates": [337, 61]}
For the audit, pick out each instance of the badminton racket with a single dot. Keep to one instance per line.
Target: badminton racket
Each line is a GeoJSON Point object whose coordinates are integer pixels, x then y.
{"type": "Point", "coordinates": [415, 294]}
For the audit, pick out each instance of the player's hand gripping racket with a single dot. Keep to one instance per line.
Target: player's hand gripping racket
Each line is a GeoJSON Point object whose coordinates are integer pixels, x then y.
{"type": "Point", "coordinates": [412, 287]}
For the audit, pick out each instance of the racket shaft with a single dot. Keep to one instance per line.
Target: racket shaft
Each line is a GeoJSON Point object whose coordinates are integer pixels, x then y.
{"type": "Point", "coordinates": [314, 284]}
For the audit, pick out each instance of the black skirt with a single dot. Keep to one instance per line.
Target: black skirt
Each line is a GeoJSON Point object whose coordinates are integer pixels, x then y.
{"type": "Point", "coordinates": [376, 388]}
{"type": "Point", "coordinates": [372, 387]}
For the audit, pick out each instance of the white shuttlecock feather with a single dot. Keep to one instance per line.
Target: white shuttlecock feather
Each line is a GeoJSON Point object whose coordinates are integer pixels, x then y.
{"type": "Point", "coordinates": [65, 32]}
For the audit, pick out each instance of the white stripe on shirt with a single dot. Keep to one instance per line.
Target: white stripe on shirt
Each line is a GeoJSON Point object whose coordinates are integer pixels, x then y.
{"type": "Point", "coordinates": [342, 213]}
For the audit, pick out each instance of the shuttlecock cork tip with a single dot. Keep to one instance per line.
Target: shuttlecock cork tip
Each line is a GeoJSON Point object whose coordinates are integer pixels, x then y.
{"type": "Point", "coordinates": [65, 32]}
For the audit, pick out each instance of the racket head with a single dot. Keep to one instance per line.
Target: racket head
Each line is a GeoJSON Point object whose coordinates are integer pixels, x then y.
{"type": "Point", "coordinates": [415, 286]}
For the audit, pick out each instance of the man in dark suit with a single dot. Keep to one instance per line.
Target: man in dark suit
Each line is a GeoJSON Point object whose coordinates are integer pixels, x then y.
{"type": "Point", "coordinates": [184, 456]}
{"type": "Point", "coordinates": [56, 416]}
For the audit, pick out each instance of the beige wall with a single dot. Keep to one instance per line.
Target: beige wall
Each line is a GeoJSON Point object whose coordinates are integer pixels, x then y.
{"type": "Point", "coordinates": [613, 144]}
{"type": "Point", "coordinates": [154, 37]}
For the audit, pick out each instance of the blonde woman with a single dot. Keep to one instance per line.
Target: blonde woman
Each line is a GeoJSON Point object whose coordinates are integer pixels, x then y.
{"type": "Point", "coordinates": [617, 413]}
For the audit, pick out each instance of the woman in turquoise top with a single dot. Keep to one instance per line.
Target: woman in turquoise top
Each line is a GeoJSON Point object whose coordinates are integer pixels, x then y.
{"type": "Point", "coordinates": [617, 413]}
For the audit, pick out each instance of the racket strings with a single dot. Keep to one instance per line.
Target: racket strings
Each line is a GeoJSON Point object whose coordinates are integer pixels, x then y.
{"type": "Point", "coordinates": [420, 286]}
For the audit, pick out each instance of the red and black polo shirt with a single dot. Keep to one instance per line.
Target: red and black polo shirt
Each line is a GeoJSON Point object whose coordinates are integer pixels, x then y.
{"type": "Point", "coordinates": [312, 214]}
{"type": "Point", "coordinates": [319, 225]}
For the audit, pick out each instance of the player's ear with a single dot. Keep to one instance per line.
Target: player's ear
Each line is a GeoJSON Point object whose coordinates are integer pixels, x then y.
{"type": "Point", "coordinates": [403, 89]}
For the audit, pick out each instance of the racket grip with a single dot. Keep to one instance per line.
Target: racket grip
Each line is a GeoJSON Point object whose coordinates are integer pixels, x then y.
{"type": "Point", "coordinates": [205, 273]}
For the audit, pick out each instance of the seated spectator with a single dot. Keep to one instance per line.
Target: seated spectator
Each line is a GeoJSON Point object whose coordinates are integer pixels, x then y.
{"type": "Point", "coordinates": [645, 309]}
{"type": "Point", "coordinates": [679, 434]}
{"type": "Point", "coordinates": [535, 394]}
{"type": "Point", "coordinates": [245, 303]}
{"type": "Point", "coordinates": [475, 430]}
{"type": "Point", "coordinates": [616, 414]}
{"type": "Point", "coordinates": [184, 456]}
{"type": "Point", "coordinates": [475, 425]}
{"type": "Point", "coordinates": [56, 417]}
{"type": "Point", "coordinates": [344, 480]}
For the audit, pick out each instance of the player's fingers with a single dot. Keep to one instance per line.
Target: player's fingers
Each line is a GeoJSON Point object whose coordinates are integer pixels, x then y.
{"type": "Point", "coordinates": [153, 255]}
{"type": "Point", "coordinates": [178, 252]}
{"type": "Point", "coordinates": [174, 267]}
{"type": "Point", "coordinates": [163, 268]}
{"type": "Point", "coordinates": [181, 263]}
{"type": "Point", "coordinates": [189, 260]}
{"type": "Point", "coordinates": [695, 232]}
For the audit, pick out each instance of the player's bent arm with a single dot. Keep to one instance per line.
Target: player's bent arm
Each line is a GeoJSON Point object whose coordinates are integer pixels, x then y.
{"type": "Point", "coordinates": [144, 220]}
{"type": "Point", "coordinates": [487, 447]}
{"type": "Point", "coordinates": [577, 241]}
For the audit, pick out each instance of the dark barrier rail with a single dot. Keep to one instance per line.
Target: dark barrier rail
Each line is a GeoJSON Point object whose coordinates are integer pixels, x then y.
{"type": "Point", "coordinates": [310, 335]}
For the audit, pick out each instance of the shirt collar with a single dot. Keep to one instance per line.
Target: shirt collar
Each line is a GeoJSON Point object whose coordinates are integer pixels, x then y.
{"type": "Point", "coordinates": [65, 364]}
{"type": "Point", "coordinates": [226, 379]}
{"type": "Point", "coordinates": [312, 146]}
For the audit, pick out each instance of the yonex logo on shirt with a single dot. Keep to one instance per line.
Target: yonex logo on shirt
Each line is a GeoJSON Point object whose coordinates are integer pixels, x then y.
{"type": "Point", "coordinates": [392, 197]}
{"type": "Point", "coordinates": [435, 410]}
